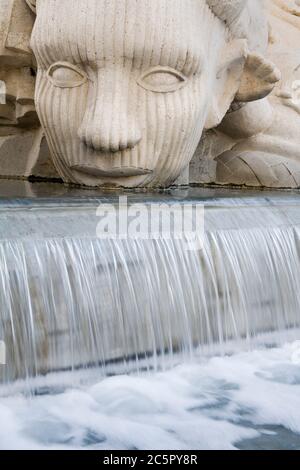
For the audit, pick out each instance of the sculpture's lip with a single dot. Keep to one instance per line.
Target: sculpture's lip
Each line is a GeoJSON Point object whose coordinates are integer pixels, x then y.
{"type": "Point", "coordinates": [118, 172]}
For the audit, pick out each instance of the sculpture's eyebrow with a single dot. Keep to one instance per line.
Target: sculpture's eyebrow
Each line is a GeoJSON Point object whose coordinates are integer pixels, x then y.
{"type": "Point", "coordinates": [193, 62]}
{"type": "Point", "coordinates": [183, 59]}
{"type": "Point", "coordinates": [48, 53]}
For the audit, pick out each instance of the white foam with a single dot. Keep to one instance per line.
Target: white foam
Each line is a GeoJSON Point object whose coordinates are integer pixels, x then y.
{"type": "Point", "coordinates": [205, 404]}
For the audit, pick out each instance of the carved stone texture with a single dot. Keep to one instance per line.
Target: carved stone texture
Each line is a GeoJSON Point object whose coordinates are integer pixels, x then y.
{"type": "Point", "coordinates": [23, 152]}
{"type": "Point", "coordinates": [266, 134]}
{"type": "Point", "coordinates": [125, 88]}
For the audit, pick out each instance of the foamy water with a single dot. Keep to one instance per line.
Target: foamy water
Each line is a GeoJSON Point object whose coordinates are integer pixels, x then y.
{"type": "Point", "coordinates": [244, 400]}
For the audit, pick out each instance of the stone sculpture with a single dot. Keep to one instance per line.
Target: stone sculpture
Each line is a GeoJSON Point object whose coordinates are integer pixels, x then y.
{"type": "Point", "coordinates": [266, 134]}
{"type": "Point", "coordinates": [23, 150]}
{"type": "Point", "coordinates": [124, 89]}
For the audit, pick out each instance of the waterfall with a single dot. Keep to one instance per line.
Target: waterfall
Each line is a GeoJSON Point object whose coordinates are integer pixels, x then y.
{"type": "Point", "coordinates": [71, 301]}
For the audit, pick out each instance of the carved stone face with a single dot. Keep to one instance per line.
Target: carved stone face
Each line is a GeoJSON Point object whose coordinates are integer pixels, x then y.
{"type": "Point", "coordinates": [124, 87]}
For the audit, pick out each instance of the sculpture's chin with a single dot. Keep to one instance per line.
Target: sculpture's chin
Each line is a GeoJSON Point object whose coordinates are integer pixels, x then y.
{"type": "Point", "coordinates": [112, 172]}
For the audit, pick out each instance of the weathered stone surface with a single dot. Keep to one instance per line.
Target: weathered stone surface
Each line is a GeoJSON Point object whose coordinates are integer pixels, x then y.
{"type": "Point", "coordinates": [26, 154]}
{"type": "Point", "coordinates": [16, 23]}
{"type": "Point", "coordinates": [23, 151]}
{"type": "Point", "coordinates": [266, 151]}
{"type": "Point", "coordinates": [203, 165]}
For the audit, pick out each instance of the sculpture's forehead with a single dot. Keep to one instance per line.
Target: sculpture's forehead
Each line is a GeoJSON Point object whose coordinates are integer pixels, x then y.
{"type": "Point", "coordinates": [146, 30]}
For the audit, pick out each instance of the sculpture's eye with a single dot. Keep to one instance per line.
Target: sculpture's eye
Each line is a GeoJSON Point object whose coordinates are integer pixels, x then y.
{"type": "Point", "coordinates": [65, 75]}
{"type": "Point", "coordinates": [162, 80]}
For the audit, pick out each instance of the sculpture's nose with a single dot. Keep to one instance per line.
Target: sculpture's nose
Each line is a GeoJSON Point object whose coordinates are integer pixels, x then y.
{"type": "Point", "coordinates": [110, 123]}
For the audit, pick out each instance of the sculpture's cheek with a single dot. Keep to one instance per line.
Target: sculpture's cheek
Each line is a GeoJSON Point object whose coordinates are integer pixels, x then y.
{"type": "Point", "coordinates": [61, 111]}
{"type": "Point", "coordinates": [177, 121]}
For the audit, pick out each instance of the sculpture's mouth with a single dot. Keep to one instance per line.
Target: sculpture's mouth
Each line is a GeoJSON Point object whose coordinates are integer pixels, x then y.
{"type": "Point", "coordinates": [116, 172]}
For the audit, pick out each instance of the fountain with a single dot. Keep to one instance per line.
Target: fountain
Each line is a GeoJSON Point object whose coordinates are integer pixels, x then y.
{"type": "Point", "coordinates": [71, 300]}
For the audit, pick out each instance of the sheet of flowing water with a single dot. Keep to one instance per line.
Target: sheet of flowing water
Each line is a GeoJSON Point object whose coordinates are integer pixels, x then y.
{"type": "Point", "coordinates": [83, 308]}
{"type": "Point", "coordinates": [79, 301]}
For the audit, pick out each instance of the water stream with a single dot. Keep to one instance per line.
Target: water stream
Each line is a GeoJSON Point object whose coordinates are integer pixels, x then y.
{"type": "Point", "coordinates": [76, 308]}
{"type": "Point", "coordinates": [73, 301]}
